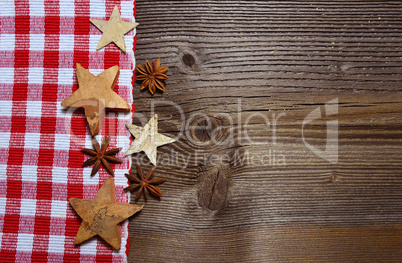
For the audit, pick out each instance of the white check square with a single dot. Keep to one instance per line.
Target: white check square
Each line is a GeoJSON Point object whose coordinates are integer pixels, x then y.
{"type": "Point", "coordinates": [7, 9]}
{"type": "Point", "coordinates": [32, 140]}
{"type": "Point", "coordinates": [36, 8]}
{"type": "Point", "coordinates": [3, 171]}
{"type": "Point", "coordinates": [56, 244]}
{"type": "Point", "coordinates": [120, 179]}
{"type": "Point", "coordinates": [125, 76]}
{"type": "Point", "coordinates": [127, 9]}
{"type": "Point", "coordinates": [66, 76]}
{"type": "Point", "coordinates": [129, 42]}
{"type": "Point", "coordinates": [88, 179]}
{"type": "Point", "coordinates": [88, 140]}
{"type": "Point", "coordinates": [93, 42]}
{"type": "Point", "coordinates": [7, 42]}
{"type": "Point", "coordinates": [37, 42]}
{"type": "Point", "coordinates": [89, 247]}
{"type": "Point", "coordinates": [62, 142]}
{"type": "Point", "coordinates": [34, 108]}
{"type": "Point", "coordinates": [3, 202]}
{"type": "Point", "coordinates": [29, 173]}
{"type": "Point", "coordinates": [6, 108]}
{"type": "Point", "coordinates": [4, 139]}
{"type": "Point", "coordinates": [7, 75]}
{"type": "Point", "coordinates": [67, 8]}
{"type": "Point", "coordinates": [28, 207]}
{"type": "Point", "coordinates": [97, 9]}
{"type": "Point", "coordinates": [35, 75]}
{"type": "Point", "coordinates": [62, 112]}
{"type": "Point", "coordinates": [25, 242]}
{"type": "Point", "coordinates": [59, 175]}
{"type": "Point", "coordinates": [122, 141]}
{"type": "Point", "coordinates": [58, 209]}
{"type": "Point", "coordinates": [96, 71]}
{"type": "Point", "coordinates": [66, 42]}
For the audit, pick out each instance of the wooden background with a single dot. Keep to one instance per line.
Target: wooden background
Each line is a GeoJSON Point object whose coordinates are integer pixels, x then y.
{"type": "Point", "coordinates": [243, 60]}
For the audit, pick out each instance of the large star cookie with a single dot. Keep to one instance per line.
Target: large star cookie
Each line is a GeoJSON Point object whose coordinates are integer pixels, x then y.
{"type": "Point", "coordinates": [102, 215]}
{"type": "Point", "coordinates": [95, 93]}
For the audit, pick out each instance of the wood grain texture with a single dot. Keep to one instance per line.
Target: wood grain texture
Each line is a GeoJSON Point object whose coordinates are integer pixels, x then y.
{"type": "Point", "coordinates": [257, 69]}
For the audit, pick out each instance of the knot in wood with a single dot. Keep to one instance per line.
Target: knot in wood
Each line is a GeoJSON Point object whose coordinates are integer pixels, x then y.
{"type": "Point", "coordinates": [206, 131]}
{"type": "Point", "coordinates": [213, 188]}
{"type": "Point", "coordinates": [188, 60]}
{"type": "Point", "coordinates": [333, 178]}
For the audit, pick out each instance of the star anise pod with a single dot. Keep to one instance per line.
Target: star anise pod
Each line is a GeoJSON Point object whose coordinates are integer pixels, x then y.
{"type": "Point", "coordinates": [152, 75]}
{"type": "Point", "coordinates": [101, 156]}
{"type": "Point", "coordinates": [145, 183]}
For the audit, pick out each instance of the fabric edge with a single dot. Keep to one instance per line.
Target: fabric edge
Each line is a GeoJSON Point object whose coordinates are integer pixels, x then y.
{"type": "Point", "coordinates": [131, 115]}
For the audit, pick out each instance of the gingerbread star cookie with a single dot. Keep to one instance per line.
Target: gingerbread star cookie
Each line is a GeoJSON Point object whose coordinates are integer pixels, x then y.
{"type": "Point", "coordinates": [102, 215]}
{"type": "Point", "coordinates": [95, 94]}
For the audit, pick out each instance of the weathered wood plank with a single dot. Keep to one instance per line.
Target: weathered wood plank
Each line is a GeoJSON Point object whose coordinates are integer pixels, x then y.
{"type": "Point", "coordinates": [256, 70]}
{"type": "Point", "coordinates": [280, 244]}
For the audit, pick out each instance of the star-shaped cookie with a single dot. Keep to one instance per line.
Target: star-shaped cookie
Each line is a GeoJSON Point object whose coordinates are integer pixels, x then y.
{"type": "Point", "coordinates": [113, 30]}
{"type": "Point", "coordinates": [102, 215]}
{"type": "Point", "coordinates": [95, 93]}
{"type": "Point", "coordinates": [147, 139]}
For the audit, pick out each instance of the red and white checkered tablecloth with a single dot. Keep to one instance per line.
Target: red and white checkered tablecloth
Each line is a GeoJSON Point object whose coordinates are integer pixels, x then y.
{"type": "Point", "coordinates": [40, 160]}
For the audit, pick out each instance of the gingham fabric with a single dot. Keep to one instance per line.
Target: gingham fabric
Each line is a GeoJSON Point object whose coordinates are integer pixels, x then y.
{"type": "Point", "coordinates": [40, 160]}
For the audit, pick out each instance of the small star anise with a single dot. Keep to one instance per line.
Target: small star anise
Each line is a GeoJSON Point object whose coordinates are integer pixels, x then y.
{"type": "Point", "coordinates": [152, 75]}
{"type": "Point", "coordinates": [101, 156]}
{"type": "Point", "coordinates": [145, 183]}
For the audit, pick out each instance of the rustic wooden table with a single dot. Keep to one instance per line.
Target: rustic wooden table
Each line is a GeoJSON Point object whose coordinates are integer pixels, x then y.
{"type": "Point", "coordinates": [261, 94]}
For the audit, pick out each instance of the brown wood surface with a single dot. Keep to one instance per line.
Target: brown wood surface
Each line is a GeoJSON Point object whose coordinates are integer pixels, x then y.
{"type": "Point", "coordinates": [245, 58]}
